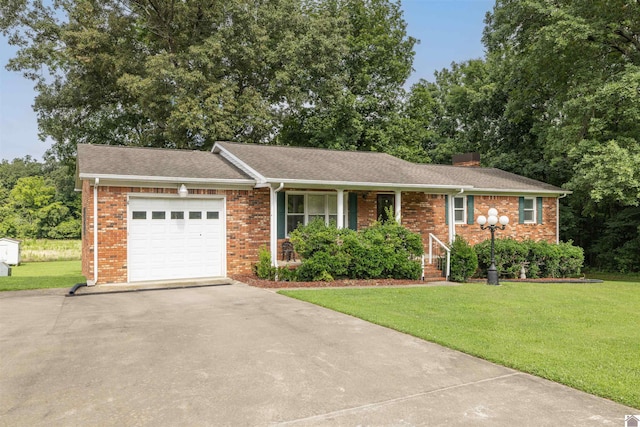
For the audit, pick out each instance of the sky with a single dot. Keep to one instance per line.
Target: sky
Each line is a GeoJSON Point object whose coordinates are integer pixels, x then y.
{"type": "Point", "coordinates": [448, 30]}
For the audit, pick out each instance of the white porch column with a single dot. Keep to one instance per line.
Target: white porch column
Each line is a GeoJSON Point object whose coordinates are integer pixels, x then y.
{"type": "Point", "coordinates": [340, 222]}
{"type": "Point", "coordinates": [452, 219]}
{"type": "Point", "coordinates": [398, 206]}
{"type": "Point", "coordinates": [273, 229]}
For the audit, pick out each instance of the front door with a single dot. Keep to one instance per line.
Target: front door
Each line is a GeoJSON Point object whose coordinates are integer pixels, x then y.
{"type": "Point", "coordinates": [386, 207]}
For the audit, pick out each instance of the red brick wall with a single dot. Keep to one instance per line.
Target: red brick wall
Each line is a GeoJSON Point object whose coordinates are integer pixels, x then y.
{"type": "Point", "coordinates": [87, 230]}
{"type": "Point", "coordinates": [247, 217]}
{"type": "Point", "coordinates": [248, 221]}
{"type": "Point", "coordinates": [425, 213]}
{"type": "Point", "coordinates": [367, 208]}
{"type": "Point", "coordinates": [508, 205]}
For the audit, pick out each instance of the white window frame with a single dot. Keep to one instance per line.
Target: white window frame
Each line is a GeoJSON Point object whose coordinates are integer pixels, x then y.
{"type": "Point", "coordinates": [534, 219]}
{"type": "Point", "coordinates": [306, 213]}
{"type": "Point", "coordinates": [463, 209]}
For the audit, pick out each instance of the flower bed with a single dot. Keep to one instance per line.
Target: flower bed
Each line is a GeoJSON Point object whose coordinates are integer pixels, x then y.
{"type": "Point", "coordinates": [259, 283]}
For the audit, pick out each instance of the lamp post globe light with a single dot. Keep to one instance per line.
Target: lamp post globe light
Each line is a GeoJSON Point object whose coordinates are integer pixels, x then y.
{"type": "Point", "coordinates": [492, 224]}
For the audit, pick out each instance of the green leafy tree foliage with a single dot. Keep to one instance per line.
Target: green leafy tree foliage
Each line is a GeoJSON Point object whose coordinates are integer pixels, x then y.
{"type": "Point", "coordinates": [185, 74]}
{"type": "Point", "coordinates": [556, 99]}
{"type": "Point", "coordinates": [37, 201]}
{"type": "Point", "coordinates": [358, 108]}
{"type": "Point", "coordinates": [570, 70]}
{"type": "Point", "coordinates": [464, 109]}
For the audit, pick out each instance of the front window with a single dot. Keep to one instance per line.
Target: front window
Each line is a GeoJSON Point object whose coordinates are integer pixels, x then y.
{"type": "Point", "coordinates": [459, 210]}
{"type": "Point", "coordinates": [305, 207]}
{"type": "Point", "coordinates": [295, 211]}
{"type": "Point", "coordinates": [529, 210]}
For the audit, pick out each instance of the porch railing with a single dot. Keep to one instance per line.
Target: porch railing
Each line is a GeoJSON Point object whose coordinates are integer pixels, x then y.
{"type": "Point", "coordinates": [442, 255]}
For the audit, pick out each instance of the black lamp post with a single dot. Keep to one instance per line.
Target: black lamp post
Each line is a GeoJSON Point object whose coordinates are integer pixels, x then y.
{"type": "Point", "coordinates": [492, 223]}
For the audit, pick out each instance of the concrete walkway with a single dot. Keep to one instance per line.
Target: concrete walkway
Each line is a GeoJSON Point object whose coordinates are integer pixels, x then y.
{"type": "Point", "coordinates": [235, 355]}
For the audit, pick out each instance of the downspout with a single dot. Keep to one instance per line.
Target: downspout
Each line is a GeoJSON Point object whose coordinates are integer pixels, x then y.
{"type": "Point", "coordinates": [452, 219]}
{"type": "Point", "coordinates": [95, 234]}
{"type": "Point", "coordinates": [274, 224]}
{"type": "Point", "coordinates": [558, 217]}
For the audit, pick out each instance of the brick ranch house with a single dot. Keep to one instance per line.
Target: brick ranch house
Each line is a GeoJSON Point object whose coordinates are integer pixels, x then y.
{"type": "Point", "coordinates": [157, 214]}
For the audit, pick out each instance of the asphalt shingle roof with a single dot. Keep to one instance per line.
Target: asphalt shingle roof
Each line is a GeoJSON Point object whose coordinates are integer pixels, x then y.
{"type": "Point", "coordinates": [300, 163]}
{"type": "Point", "coordinates": [490, 178]}
{"type": "Point", "coordinates": [253, 163]}
{"type": "Point", "coordinates": [122, 161]}
{"type": "Point", "coordinates": [276, 163]}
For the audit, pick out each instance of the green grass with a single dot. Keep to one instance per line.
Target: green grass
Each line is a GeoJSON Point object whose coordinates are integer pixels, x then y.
{"type": "Point", "coordinates": [583, 335]}
{"type": "Point", "coordinates": [612, 276]}
{"type": "Point", "coordinates": [39, 275]}
{"type": "Point", "coordinates": [37, 250]}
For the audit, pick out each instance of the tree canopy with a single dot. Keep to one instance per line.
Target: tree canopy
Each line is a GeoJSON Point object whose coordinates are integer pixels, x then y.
{"type": "Point", "coordinates": [185, 74]}
{"type": "Point", "coordinates": [37, 200]}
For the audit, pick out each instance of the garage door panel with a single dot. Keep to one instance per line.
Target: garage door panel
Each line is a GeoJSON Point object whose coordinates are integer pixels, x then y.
{"type": "Point", "coordinates": [182, 245]}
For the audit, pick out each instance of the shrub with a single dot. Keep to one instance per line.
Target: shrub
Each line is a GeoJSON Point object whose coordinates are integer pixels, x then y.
{"type": "Point", "coordinates": [509, 254]}
{"type": "Point", "coordinates": [383, 250]}
{"type": "Point", "coordinates": [286, 274]}
{"type": "Point", "coordinates": [317, 236]}
{"type": "Point", "coordinates": [464, 260]}
{"type": "Point", "coordinates": [544, 259]}
{"type": "Point", "coordinates": [263, 268]}
{"type": "Point", "coordinates": [571, 259]}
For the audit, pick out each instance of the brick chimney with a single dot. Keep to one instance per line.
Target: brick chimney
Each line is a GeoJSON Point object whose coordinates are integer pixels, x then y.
{"type": "Point", "coordinates": [467, 159]}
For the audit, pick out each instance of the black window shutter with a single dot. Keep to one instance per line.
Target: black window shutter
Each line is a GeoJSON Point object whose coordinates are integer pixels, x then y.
{"type": "Point", "coordinates": [281, 214]}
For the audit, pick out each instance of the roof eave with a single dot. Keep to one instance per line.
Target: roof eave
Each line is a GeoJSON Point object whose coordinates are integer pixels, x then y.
{"type": "Point", "coordinates": [113, 178]}
{"type": "Point", "coordinates": [351, 185]}
{"type": "Point", "coordinates": [515, 191]}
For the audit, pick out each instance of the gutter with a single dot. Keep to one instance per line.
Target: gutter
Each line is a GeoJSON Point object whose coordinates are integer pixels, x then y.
{"type": "Point", "coordinates": [558, 216]}
{"type": "Point", "coordinates": [95, 234]}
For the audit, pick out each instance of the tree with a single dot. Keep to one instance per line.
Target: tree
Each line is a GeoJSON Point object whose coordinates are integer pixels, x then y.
{"type": "Point", "coordinates": [569, 72]}
{"type": "Point", "coordinates": [10, 172]}
{"type": "Point", "coordinates": [185, 74]}
{"type": "Point", "coordinates": [358, 108]}
{"type": "Point", "coordinates": [37, 200]}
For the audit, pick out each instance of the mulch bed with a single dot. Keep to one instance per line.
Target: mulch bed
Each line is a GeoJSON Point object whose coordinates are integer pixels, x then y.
{"type": "Point", "coordinates": [259, 283]}
{"type": "Point", "coordinates": [556, 280]}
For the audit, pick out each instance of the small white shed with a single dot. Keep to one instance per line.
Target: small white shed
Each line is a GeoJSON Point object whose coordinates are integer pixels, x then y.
{"type": "Point", "coordinates": [10, 251]}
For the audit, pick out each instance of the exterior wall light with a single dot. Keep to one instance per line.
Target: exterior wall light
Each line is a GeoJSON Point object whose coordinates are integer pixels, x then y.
{"type": "Point", "coordinates": [492, 224]}
{"type": "Point", "coordinates": [182, 191]}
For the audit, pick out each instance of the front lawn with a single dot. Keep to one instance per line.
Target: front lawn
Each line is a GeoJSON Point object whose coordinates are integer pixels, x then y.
{"type": "Point", "coordinates": [38, 275]}
{"type": "Point", "coordinates": [583, 335]}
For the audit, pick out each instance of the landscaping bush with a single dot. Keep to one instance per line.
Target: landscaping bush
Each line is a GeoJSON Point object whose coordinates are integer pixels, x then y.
{"type": "Point", "coordinates": [322, 250]}
{"type": "Point", "coordinates": [464, 260]}
{"type": "Point", "coordinates": [265, 270]}
{"type": "Point", "coordinates": [394, 249]}
{"type": "Point", "coordinates": [384, 250]}
{"type": "Point", "coordinates": [509, 253]}
{"type": "Point", "coordinates": [543, 259]}
{"type": "Point", "coordinates": [317, 236]}
{"type": "Point", "coordinates": [571, 259]}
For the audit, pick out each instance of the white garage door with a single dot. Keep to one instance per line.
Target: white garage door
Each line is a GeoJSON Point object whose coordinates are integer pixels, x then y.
{"type": "Point", "coordinates": [175, 238]}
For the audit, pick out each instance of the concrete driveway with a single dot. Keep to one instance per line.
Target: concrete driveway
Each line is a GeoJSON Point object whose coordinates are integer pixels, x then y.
{"type": "Point", "coordinates": [236, 355]}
